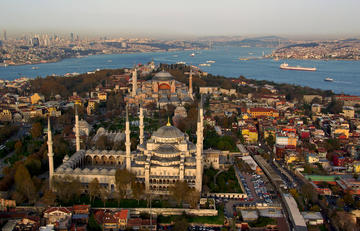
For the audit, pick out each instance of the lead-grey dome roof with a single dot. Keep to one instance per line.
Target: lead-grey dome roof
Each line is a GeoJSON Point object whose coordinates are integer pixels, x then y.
{"type": "Point", "coordinates": [168, 131]}
{"type": "Point", "coordinates": [163, 75]}
{"type": "Point", "coordinates": [167, 149]}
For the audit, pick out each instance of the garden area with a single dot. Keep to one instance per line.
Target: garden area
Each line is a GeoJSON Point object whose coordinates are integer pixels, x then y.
{"type": "Point", "coordinates": [223, 182]}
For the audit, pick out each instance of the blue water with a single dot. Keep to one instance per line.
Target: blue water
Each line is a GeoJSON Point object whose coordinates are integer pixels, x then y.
{"type": "Point", "coordinates": [345, 73]}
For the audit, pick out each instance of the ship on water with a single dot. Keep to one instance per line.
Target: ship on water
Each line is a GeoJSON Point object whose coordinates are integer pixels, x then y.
{"type": "Point", "coordinates": [286, 66]}
{"type": "Point", "coordinates": [328, 79]}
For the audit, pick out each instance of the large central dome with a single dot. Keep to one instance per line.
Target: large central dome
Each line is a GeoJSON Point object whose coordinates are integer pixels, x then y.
{"type": "Point", "coordinates": [163, 76]}
{"type": "Point", "coordinates": [168, 132]}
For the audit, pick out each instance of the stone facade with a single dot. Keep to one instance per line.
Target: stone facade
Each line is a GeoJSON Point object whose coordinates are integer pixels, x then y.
{"type": "Point", "coordinates": [161, 90]}
{"type": "Point", "coordinates": [167, 157]}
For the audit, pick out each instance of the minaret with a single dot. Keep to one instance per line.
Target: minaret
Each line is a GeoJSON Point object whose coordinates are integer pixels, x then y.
{"type": "Point", "coordinates": [199, 150]}
{"type": "Point", "coordinates": [190, 84]}
{"type": "Point", "coordinates": [141, 124]}
{"type": "Point", "coordinates": [201, 111]}
{"type": "Point", "coordinates": [50, 153]}
{"type": "Point", "coordinates": [134, 83]}
{"type": "Point", "coordinates": [77, 129]}
{"type": "Point", "coordinates": [127, 141]}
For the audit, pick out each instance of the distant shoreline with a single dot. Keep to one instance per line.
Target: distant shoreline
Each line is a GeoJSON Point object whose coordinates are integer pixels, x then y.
{"type": "Point", "coordinates": [271, 57]}
{"type": "Point", "coordinates": [135, 52]}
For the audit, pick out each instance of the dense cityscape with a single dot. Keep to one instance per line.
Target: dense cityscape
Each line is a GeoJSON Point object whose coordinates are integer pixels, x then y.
{"type": "Point", "coordinates": [45, 48]}
{"type": "Point", "coordinates": [271, 156]}
{"type": "Point", "coordinates": [181, 116]}
{"type": "Point", "coordinates": [348, 49]}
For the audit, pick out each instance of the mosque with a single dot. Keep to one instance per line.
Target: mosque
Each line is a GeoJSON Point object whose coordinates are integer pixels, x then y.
{"type": "Point", "coordinates": [161, 90]}
{"type": "Point", "coordinates": [158, 162]}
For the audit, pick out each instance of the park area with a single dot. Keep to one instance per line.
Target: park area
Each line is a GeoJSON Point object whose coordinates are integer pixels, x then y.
{"type": "Point", "coordinates": [221, 181]}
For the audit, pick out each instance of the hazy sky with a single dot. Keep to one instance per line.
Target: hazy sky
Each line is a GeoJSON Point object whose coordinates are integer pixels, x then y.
{"type": "Point", "coordinates": [183, 17]}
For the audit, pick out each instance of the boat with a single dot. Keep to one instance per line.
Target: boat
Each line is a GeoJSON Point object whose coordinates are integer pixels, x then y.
{"type": "Point", "coordinates": [286, 66]}
{"type": "Point", "coordinates": [192, 54]}
{"type": "Point", "coordinates": [210, 61]}
{"type": "Point", "coordinates": [205, 65]}
{"type": "Point", "coordinates": [35, 68]}
{"type": "Point", "coordinates": [327, 79]}
{"type": "Point", "coordinates": [181, 62]}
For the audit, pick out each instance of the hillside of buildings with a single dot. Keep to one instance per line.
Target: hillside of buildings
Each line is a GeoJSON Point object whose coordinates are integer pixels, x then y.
{"type": "Point", "coordinates": [269, 151]}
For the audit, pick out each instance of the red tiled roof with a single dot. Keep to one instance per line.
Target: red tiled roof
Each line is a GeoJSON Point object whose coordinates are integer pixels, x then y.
{"type": "Point", "coordinates": [80, 207]}
{"type": "Point", "coordinates": [123, 214]}
{"type": "Point", "coordinates": [62, 209]}
{"type": "Point", "coordinates": [262, 109]}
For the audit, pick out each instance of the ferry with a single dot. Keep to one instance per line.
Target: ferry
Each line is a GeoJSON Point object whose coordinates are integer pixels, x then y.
{"type": "Point", "coordinates": [286, 66]}
{"type": "Point", "coordinates": [181, 62]}
{"type": "Point", "coordinates": [205, 65]}
{"type": "Point", "coordinates": [329, 79]}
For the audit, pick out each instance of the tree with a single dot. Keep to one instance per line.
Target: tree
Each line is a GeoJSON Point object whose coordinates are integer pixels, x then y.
{"type": "Point", "coordinates": [179, 190]}
{"type": "Point", "coordinates": [309, 193]}
{"type": "Point", "coordinates": [93, 225]}
{"type": "Point", "coordinates": [104, 195]}
{"type": "Point", "coordinates": [348, 199]}
{"type": "Point", "coordinates": [334, 107]}
{"type": "Point", "coordinates": [36, 130]}
{"type": "Point", "coordinates": [24, 184]}
{"type": "Point", "coordinates": [181, 224]}
{"type": "Point", "coordinates": [18, 147]}
{"type": "Point", "coordinates": [138, 190]}
{"type": "Point", "coordinates": [340, 203]}
{"type": "Point", "coordinates": [123, 179]}
{"type": "Point", "coordinates": [94, 189]}
{"type": "Point", "coordinates": [270, 140]}
{"type": "Point", "coordinates": [193, 197]}
{"type": "Point", "coordinates": [67, 188]}
{"type": "Point", "coordinates": [49, 198]}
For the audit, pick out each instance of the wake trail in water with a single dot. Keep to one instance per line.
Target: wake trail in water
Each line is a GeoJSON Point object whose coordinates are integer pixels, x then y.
{"type": "Point", "coordinates": [336, 81]}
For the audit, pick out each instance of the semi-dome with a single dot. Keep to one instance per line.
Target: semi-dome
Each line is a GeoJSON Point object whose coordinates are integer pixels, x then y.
{"type": "Point", "coordinates": [169, 132]}
{"type": "Point", "coordinates": [163, 76]}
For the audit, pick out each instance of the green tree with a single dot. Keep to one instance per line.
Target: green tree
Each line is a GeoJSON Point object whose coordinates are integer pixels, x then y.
{"type": "Point", "coordinates": [270, 140]}
{"type": "Point", "coordinates": [93, 225]}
